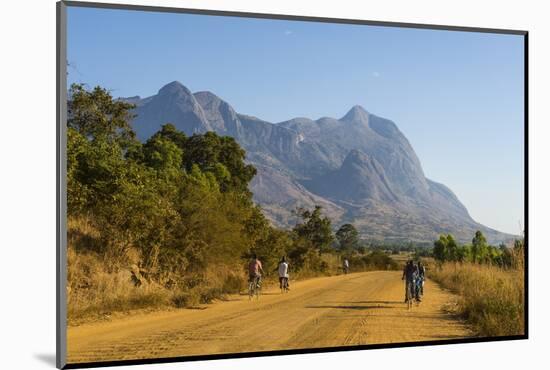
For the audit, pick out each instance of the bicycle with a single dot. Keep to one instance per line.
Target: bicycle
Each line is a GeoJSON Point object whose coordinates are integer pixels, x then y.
{"type": "Point", "coordinates": [409, 294]}
{"type": "Point", "coordinates": [419, 286]}
{"type": "Point", "coordinates": [284, 288]}
{"type": "Point", "coordinates": [254, 287]}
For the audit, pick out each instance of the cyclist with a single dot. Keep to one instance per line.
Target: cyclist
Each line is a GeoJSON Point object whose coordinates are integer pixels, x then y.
{"type": "Point", "coordinates": [255, 270]}
{"type": "Point", "coordinates": [421, 276]}
{"type": "Point", "coordinates": [346, 266]}
{"type": "Point", "coordinates": [283, 274]}
{"type": "Point", "coordinates": [409, 274]}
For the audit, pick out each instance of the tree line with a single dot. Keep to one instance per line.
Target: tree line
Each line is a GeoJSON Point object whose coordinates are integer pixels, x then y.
{"type": "Point", "coordinates": [447, 249]}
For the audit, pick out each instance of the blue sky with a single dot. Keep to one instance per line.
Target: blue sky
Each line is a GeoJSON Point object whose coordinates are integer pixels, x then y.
{"type": "Point", "coordinates": [457, 96]}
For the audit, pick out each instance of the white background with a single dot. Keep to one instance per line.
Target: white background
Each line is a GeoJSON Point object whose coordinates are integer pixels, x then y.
{"type": "Point", "coordinates": [27, 183]}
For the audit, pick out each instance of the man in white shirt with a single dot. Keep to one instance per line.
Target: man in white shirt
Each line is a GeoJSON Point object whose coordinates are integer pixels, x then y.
{"type": "Point", "coordinates": [283, 274]}
{"type": "Point", "coordinates": [346, 266]}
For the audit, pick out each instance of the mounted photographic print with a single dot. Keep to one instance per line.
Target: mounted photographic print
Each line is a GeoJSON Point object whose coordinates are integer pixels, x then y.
{"type": "Point", "coordinates": [236, 184]}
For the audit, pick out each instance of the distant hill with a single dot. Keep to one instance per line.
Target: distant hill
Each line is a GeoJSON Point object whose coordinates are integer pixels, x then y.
{"type": "Point", "coordinates": [360, 168]}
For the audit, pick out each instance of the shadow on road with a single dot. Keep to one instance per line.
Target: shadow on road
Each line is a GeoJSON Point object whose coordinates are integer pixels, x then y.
{"type": "Point", "coordinates": [374, 302]}
{"type": "Point", "coordinates": [263, 293]}
{"type": "Point", "coordinates": [348, 307]}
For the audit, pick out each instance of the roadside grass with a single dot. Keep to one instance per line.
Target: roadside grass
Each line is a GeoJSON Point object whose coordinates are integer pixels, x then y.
{"type": "Point", "coordinates": [93, 292]}
{"type": "Point", "coordinates": [491, 298]}
{"type": "Point", "coordinates": [99, 286]}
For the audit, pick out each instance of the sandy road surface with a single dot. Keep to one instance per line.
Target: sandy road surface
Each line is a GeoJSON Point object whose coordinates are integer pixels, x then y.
{"type": "Point", "coordinates": [361, 308]}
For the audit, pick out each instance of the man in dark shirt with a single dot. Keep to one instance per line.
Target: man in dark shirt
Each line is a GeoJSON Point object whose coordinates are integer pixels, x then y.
{"type": "Point", "coordinates": [409, 274]}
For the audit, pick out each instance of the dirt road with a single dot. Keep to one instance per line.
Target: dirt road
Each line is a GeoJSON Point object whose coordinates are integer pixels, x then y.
{"type": "Point", "coordinates": [361, 308]}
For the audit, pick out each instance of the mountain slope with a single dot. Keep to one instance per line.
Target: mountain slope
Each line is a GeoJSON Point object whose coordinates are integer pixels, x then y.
{"type": "Point", "coordinates": [174, 103]}
{"type": "Point", "coordinates": [361, 177]}
{"type": "Point", "coordinates": [360, 168]}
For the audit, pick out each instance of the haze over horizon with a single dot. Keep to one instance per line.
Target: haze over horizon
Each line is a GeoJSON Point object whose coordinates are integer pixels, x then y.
{"type": "Point", "coordinates": [457, 96]}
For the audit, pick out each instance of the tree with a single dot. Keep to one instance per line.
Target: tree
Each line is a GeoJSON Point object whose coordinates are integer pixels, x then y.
{"type": "Point", "coordinates": [98, 138]}
{"type": "Point", "coordinates": [221, 156]}
{"type": "Point", "coordinates": [464, 253]}
{"type": "Point", "coordinates": [168, 131]}
{"type": "Point", "coordinates": [495, 256]}
{"type": "Point", "coordinates": [348, 237]}
{"type": "Point", "coordinates": [162, 155]}
{"type": "Point", "coordinates": [452, 249]}
{"type": "Point", "coordinates": [95, 114]}
{"type": "Point", "coordinates": [440, 248]}
{"type": "Point", "coordinates": [479, 247]}
{"type": "Point", "coordinates": [315, 230]}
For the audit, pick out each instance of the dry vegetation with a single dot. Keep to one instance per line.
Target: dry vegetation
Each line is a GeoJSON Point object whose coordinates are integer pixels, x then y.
{"type": "Point", "coordinates": [100, 285]}
{"type": "Point", "coordinates": [491, 298]}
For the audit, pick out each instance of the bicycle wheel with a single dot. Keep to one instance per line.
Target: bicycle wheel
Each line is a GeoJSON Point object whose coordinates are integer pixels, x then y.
{"type": "Point", "coordinates": [251, 285]}
{"type": "Point", "coordinates": [285, 285]}
{"type": "Point", "coordinates": [257, 287]}
{"type": "Point", "coordinates": [409, 295]}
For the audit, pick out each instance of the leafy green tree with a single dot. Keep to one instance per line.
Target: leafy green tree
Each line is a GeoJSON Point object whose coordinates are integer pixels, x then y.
{"type": "Point", "coordinates": [348, 237]}
{"type": "Point", "coordinates": [77, 150]}
{"type": "Point", "coordinates": [221, 156]}
{"type": "Point", "coordinates": [495, 256]}
{"type": "Point", "coordinates": [168, 131]}
{"type": "Point", "coordinates": [446, 249]}
{"type": "Point", "coordinates": [315, 230]}
{"type": "Point", "coordinates": [452, 249]}
{"type": "Point", "coordinates": [440, 248]}
{"type": "Point", "coordinates": [464, 253]}
{"type": "Point", "coordinates": [95, 114]}
{"type": "Point", "coordinates": [479, 247]}
{"type": "Point", "coordinates": [162, 154]}
{"type": "Point", "coordinates": [98, 137]}
{"type": "Point", "coordinates": [264, 240]}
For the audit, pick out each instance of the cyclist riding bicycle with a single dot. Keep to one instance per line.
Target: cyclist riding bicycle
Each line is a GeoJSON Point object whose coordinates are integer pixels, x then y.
{"type": "Point", "coordinates": [254, 270]}
{"type": "Point", "coordinates": [409, 274]}
{"type": "Point", "coordinates": [346, 266]}
{"type": "Point", "coordinates": [283, 274]}
{"type": "Point", "coordinates": [421, 276]}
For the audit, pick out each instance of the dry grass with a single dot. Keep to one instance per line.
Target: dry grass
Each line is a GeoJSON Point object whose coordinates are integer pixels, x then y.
{"type": "Point", "coordinates": [99, 285]}
{"type": "Point", "coordinates": [94, 292]}
{"type": "Point", "coordinates": [491, 299]}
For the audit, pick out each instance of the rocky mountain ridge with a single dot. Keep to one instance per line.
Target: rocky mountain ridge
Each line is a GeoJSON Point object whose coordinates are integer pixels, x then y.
{"type": "Point", "coordinates": [360, 168]}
